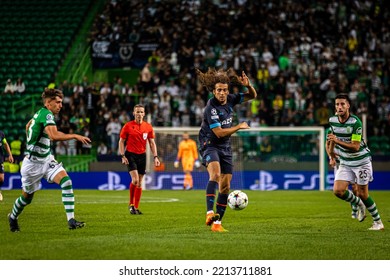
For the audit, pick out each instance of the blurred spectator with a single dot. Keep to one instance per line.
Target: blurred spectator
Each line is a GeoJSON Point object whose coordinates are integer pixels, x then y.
{"type": "Point", "coordinates": [164, 106]}
{"type": "Point", "coordinates": [323, 114]}
{"type": "Point", "coordinates": [197, 110]}
{"type": "Point", "coordinates": [309, 119]}
{"type": "Point", "coordinates": [19, 86]}
{"type": "Point", "coordinates": [71, 145]}
{"type": "Point", "coordinates": [68, 92]}
{"type": "Point", "coordinates": [61, 148]}
{"type": "Point", "coordinates": [265, 147]}
{"type": "Point", "coordinates": [118, 86]}
{"type": "Point", "coordinates": [123, 117]}
{"type": "Point", "coordinates": [146, 79]}
{"type": "Point", "coordinates": [86, 148]}
{"type": "Point", "coordinates": [113, 129]}
{"type": "Point", "coordinates": [16, 149]}
{"type": "Point", "coordinates": [127, 89]}
{"type": "Point", "coordinates": [102, 149]}
{"type": "Point", "coordinates": [9, 88]}
{"type": "Point", "coordinates": [105, 90]}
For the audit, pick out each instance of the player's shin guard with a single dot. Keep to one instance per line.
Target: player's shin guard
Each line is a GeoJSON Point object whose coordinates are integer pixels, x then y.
{"type": "Point", "coordinates": [348, 196]}
{"type": "Point", "coordinates": [67, 196]}
{"type": "Point", "coordinates": [210, 194]}
{"type": "Point", "coordinates": [371, 207]}
{"type": "Point", "coordinates": [221, 204]}
{"type": "Point", "coordinates": [19, 205]}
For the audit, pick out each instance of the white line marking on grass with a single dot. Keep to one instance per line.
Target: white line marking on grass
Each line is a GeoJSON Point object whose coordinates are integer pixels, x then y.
{"type": "Point", "coordinates": [98, 199]}
{"type": "Point", "coordinates": [87, 199]}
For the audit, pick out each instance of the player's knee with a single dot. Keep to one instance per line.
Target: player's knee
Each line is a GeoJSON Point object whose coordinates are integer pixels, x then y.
{"type": "Point", "coordinates": [224, 189]}
{"type": "Point", "coordinates": [215, 177]}
{"type": "Point", "coordinates": [339, 192]}
{"type": "Point", "coordinates": [28, 197]}
{"type": "Point", "coordinates": [339, 188]}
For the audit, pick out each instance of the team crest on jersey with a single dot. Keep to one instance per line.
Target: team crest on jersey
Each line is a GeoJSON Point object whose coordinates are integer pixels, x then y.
{"type": "Point", "coordinates": [145, 136]}
{"type": "Point", "coordinates": [213, 111]}
{"type": "Point", "coordinates": [349, 129]}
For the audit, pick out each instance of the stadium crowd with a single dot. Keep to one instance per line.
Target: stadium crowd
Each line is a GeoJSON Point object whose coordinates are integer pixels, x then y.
{"type": "Point", "coordinates": [297, 54]}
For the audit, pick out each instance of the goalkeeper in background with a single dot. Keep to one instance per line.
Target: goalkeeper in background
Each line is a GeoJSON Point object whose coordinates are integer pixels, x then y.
{"type": "Point", "coordinates": [188, 155]}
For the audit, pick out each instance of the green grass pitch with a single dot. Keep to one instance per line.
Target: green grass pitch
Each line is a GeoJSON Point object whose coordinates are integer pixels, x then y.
{"type": "Point", "coordinates": [279, 225]}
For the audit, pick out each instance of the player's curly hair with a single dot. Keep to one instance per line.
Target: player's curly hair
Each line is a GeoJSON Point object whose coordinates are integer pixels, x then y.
{"type": "Point", "coordinates": [210, 78]}
{"type": "Point", "coordinates": [51, 93]}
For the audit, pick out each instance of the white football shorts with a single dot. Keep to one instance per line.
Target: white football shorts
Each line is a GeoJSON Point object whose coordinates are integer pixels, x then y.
{"type": "Point", "coordinates": [33, 171]}
{"type": "Point", "coordinates": [362, 175]}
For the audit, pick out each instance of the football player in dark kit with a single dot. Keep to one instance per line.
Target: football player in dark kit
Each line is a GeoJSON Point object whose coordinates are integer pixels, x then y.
{"type": "Point", "coordinates": [4, 143]}
{"type": "Point", "coordinates": [214, 137]}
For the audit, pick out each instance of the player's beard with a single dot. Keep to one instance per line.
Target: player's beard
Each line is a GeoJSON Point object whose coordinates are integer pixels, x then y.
{"type": "Point", "coordinates": [222, 100]}
{"type": "Point", "coordinates": [343, 115]}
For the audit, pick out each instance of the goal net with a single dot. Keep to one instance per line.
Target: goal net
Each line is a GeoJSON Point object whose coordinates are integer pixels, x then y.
{"type": "Point", "coordinates": [265, 158]}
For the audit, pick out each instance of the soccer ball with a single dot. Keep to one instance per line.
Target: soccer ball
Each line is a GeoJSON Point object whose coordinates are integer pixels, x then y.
{"type": "Point", "coordinates": [237, 200]}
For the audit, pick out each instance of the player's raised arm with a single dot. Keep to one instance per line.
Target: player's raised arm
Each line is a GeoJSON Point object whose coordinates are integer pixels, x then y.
{"type": "Point", "coordinates": [246, 83]}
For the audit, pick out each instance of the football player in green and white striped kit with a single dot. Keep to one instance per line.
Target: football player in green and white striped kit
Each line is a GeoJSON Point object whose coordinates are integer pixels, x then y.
{"type": "Point", "coordinates": [335, 163]}
{"type": "Point", "coordinates": [40, 163]}
{"type": "Point", "coordinates": [355, 160]}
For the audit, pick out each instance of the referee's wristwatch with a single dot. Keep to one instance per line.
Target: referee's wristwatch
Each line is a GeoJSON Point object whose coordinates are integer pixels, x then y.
{"type": "Point", "coordinates": [122, 155]}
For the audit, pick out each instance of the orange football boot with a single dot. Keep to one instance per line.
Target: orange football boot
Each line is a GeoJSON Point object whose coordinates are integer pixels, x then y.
{"type": "Point", "coordinates": [211, 218]}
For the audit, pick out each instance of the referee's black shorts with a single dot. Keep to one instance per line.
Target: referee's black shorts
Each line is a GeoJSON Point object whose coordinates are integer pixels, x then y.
{"type": "Point", "coordinates": [136, 162]}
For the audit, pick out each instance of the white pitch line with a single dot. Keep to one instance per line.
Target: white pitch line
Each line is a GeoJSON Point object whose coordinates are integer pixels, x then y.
{"type": "Point", "coordinates": [84, 199]}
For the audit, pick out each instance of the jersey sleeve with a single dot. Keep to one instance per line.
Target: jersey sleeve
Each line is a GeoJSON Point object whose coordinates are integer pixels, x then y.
{"type": "Point", "coordinates": [238, 98]}
{"type": "Point", "coordinates": [212, 117]}
{"type": "Point", "coordinates": [357, 131]}
{"type": "Point", "coordinates": [180, 151]}
{"type": "Point", "coordinates": [48, 119]}
{"type": "Point", "coordinates": [124, 132]}
{"type": "Point", "coordinates": [151, 132]}
{"type": "Point", "coordinates": [329, 130]}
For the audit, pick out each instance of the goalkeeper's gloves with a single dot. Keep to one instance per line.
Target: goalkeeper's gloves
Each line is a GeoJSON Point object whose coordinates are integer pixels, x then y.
{"type": "Point", "coordinates": [197, 163]}
{"type": "Point", "coordinates": [176, 164]}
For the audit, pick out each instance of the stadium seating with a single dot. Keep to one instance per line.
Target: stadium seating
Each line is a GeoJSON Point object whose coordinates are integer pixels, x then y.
{"type": "Point", "coordinates": [37, 33]}
{"type": "Point", "coordinates": [35, 36]}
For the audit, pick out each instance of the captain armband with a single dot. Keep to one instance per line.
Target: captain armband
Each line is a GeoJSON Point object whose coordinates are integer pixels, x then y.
{"type": "Point", "coordinates": [356, 137]}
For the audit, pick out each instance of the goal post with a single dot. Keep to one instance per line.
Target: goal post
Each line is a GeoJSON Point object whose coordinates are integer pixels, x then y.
{"type": "Point", "coordinates": [276, 158]}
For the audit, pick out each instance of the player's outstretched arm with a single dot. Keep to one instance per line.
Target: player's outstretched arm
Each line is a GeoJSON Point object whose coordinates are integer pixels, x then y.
{"type": "Point", "coordinates": [56, 135]}
{"type": "Point", "coordinates": [8, 149]}
{"type": "Point", "coordinates": [222, 132]}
